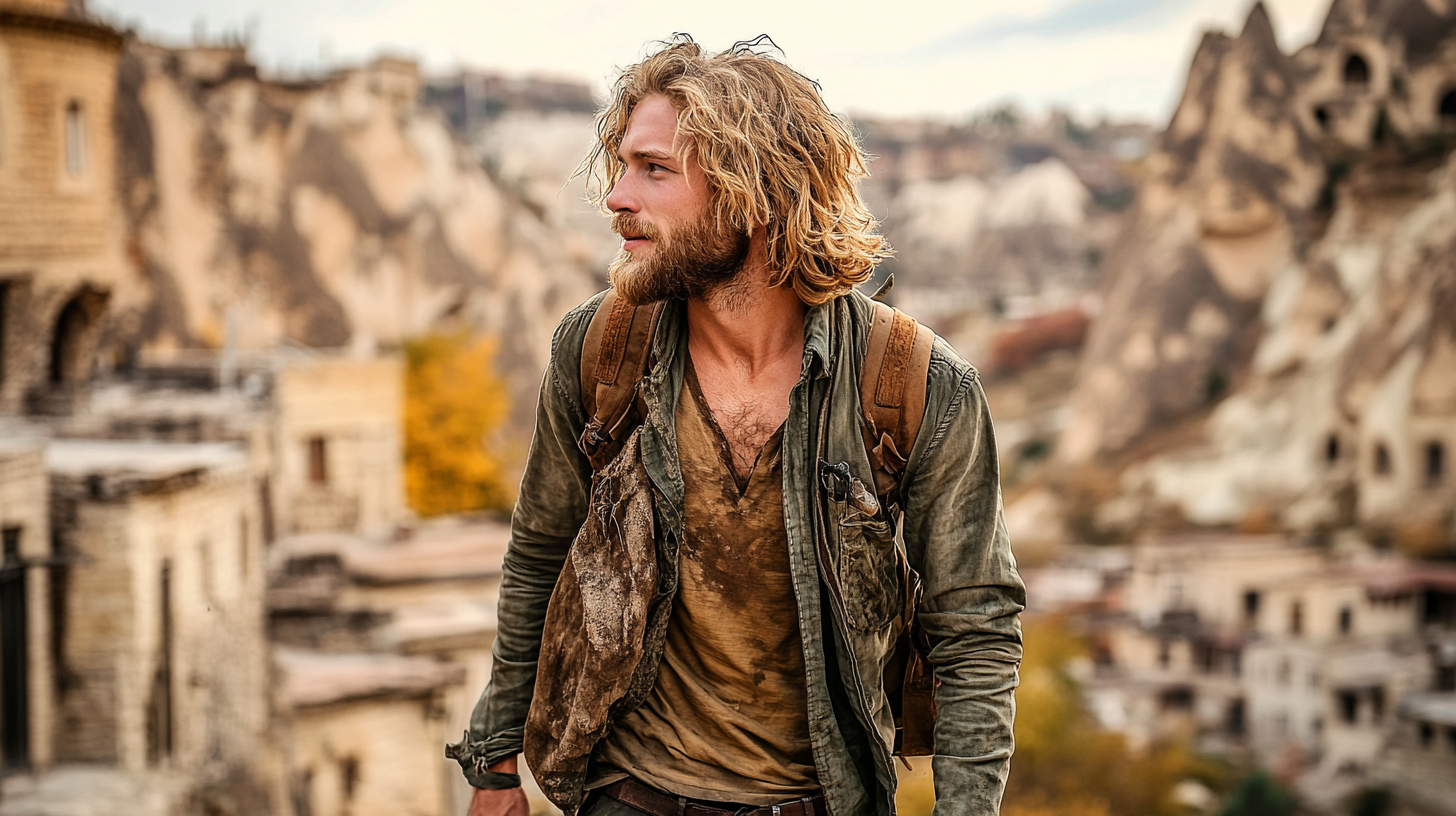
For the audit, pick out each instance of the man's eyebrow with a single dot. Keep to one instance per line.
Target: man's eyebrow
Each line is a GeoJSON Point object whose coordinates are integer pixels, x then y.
{"type": "Point", "coordinates": [652, 154]}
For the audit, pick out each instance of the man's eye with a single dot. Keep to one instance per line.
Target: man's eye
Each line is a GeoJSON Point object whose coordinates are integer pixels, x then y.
{"type": "Point", "coordinates": [653, 167]}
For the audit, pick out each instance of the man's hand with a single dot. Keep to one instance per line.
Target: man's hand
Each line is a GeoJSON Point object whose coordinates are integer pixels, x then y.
{"type": "Point", "coordinates": [508, 802]}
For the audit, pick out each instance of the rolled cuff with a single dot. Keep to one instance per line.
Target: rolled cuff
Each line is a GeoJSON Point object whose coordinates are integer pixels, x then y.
{"type": "Point", "coordinates": [476, 757]}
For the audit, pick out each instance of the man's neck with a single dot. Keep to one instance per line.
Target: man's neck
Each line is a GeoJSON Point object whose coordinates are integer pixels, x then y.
{"type": "Point", "coordinates": [747, 326]}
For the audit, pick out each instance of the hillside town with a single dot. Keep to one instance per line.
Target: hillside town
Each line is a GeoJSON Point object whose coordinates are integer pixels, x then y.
{"type": "Point", "coordinates": [1221, 357]}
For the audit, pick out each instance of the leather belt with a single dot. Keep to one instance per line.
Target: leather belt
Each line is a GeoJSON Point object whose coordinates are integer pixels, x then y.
{"type": "Point", "coordinates": [656, 803]}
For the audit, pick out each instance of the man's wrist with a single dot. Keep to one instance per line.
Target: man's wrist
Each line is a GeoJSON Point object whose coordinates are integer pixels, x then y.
{"type": "Point", "coordinates": [491, 780]}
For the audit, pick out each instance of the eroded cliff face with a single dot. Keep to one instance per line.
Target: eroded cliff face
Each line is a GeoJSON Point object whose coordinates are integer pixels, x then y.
{"type": "Point", "coordinates": [1285, 297]}
{"type": "Point", "coordinates": [1348, 414]}
{"type": "Point", "coordinates": [327, 213]}
{"type": "Point", "coordinates": [1220, 212]}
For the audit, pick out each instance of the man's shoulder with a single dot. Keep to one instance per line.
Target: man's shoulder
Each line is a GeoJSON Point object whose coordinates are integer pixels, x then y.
{"type": "Point", "coordinates": [571, 331]}
{"type": "Point", "coordinates": [948, 369]}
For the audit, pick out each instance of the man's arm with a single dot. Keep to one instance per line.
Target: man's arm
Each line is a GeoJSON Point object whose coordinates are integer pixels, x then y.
{"type": "Point", "coordinates": [955, 536]}
{"type": "Point", "coordinates": [551, 508]}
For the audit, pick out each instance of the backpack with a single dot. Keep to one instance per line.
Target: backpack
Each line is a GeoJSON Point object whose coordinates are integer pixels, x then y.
{"type": "Point", "coordinates": [616, 354]}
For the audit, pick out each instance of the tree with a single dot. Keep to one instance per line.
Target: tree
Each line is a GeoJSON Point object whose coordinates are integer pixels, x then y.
{"type": "Point", "coordinates": [453, 403]}
{"type": "Point", "coordinates": [1258, 795]}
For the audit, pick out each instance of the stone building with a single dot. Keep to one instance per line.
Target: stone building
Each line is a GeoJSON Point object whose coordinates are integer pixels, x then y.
{"type": "Point", "coordinates": [1420, 757]}
{"type": "Point", "coordinates": [383, 647]}
{"type": "Point", "coordinates": [157, 610]}
{"type": "Point", "coordinates": [27, 702]}
{"type": "Point", "coordinates": [61, 232]}
{"type": "Point", "coordinates": [1308, 657]}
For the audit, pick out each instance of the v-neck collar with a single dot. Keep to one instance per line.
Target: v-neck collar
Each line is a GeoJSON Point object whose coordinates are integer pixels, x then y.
{"type": "Point", "coordinates": [720, 439]}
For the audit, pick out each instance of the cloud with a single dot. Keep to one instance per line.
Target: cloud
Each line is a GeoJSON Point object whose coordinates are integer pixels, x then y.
{"type": "Point", "coordinates": [912, 57]}
{"type": "Point", "coordinates": [1075, 20]}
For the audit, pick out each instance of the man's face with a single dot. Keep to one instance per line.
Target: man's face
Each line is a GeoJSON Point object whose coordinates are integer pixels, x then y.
{"type": "Point", "coordinates": [672, 247]}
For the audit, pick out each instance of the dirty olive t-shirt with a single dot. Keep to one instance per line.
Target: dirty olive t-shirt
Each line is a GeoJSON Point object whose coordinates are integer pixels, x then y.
{"type": "Point", "coordinates": [727, 719]}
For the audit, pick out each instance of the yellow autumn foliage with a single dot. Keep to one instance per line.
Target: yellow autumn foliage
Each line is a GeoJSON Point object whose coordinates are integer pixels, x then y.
{"type": "Point", "coordinates": [454, 401]}
{"type": "Point", "coordinates": [1065, 764]}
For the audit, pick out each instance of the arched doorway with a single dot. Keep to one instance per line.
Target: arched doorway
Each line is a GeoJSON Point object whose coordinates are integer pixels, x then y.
{"type": "Point", "coordinates": [72, 339]}
{"type": "Point", "coordinates": [66, 342]}
{"type": "Point", "coordinates": [1357, 71]}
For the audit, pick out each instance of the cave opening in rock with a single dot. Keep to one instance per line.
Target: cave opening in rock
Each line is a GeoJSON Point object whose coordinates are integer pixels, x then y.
{"type": "Point", "coordinates": [1446, 109]}
{"type": "Point", "coordinates": [1357, 71]}
{"type": "Point", "coordinates": [1322, 118]}
{"type": "Point", "coordinates": [1332, 449]}
{"type": "Point", "coordinates": [1435, 463]}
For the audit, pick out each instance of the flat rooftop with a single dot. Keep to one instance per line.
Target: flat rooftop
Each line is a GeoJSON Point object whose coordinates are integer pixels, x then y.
{"type": "Point", "coordinates": [318, 678]}
{"type": "Point", "coordinates": [1434, 707]}
{"type": "Point", "coordinates": [86, 457]}
{"type": "Point", "coordinates": [118, 467]}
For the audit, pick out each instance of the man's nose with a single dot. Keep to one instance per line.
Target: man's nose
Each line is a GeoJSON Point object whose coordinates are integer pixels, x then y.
{"type": "Point", "coordinates": [621, 198]}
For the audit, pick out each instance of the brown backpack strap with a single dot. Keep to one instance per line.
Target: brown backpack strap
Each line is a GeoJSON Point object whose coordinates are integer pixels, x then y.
{"type": "Point", "coordinates": [892, 384]}
{"type": "Point", "coordinates": [614, 357]}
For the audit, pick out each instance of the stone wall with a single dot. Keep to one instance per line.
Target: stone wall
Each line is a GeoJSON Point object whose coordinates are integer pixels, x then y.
{"type": "Point", "coordinates": [340, 445]}
{"type": "Point", "coordinates": [61, 236]}
{"type": "Point", "coordinates": [164, 663]}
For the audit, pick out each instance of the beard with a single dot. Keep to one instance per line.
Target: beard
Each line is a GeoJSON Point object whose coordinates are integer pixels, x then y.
{"type": "Point", "coordinates": [691, 261]}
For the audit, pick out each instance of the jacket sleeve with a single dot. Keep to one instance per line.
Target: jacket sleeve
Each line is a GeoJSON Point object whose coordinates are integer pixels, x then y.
{"type": "Point", "coordinates": [955, 536]}
{"type": "Point", "coordinates": [551, 508]}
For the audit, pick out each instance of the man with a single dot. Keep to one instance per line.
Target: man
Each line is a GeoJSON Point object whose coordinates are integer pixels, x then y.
{"type": "Point", "coordinates": [758, 685]}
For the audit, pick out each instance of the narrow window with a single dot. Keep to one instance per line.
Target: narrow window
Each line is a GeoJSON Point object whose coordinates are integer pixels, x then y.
{"type": "Point", "coordinates": [1435, 463]}
{"type": "Point", "coordinates": [1332, 449]}
{"type": "Point", "coordinates": [1164, 654]}
{"type": "Point", "coordinates": [245, 564]}
{"type": "Point", "coordinates": [1322, 118]}
{"type": "Point", "coordinates": [1347, 620]}
{"type": "Point", "coordinates": [265, 508]}
{"type": "Point", "coordinates": [349, 777]}
{"type": "Point", "coordinates": [1251, 605]}
{"type": "Point", "coordinates": [1235, 717]}
{"type": "Point", "coordinates": [318, 460]}
{"type": "Point", "coordinates": [1357, 71]}
{"type": "Point", "coordinates": [4, 321]}
{"type": "Point", "coordinates": [1427, 734]}
{"type": "Point", "coordinates": [204, 566]}
{"type": "Point", "coordinates": [1349, 706]}
{"type": "Point", "coordinates": [1381, 464]}
{"type": "Point", "coordinates": [1296, 618]}
{"type": "Point", "coordinates": [75, 140]}
{"type": "Point", "coordinates": [159, 705]}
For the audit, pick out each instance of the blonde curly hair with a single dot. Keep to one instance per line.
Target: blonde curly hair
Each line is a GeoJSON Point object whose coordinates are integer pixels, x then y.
{"type": "Point", "coordinates": [773, 153]}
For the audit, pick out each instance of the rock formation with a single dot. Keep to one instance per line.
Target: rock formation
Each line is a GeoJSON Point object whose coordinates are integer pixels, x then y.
{"type": "Point", "coordinates": [1290, 266]}
{"type": "Point", "coordinates": [333, 212]}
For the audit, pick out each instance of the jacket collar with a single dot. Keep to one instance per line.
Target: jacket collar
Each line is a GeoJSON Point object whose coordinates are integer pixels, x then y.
{"type": "Point", "coordinates": [819, 324]}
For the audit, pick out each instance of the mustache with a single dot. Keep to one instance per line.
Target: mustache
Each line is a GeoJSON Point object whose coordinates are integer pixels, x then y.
{"type": "Point", "coordinates": [628, 224]}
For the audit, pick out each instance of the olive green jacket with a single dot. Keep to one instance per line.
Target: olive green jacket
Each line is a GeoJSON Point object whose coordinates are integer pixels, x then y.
{"type": "Point", "coordinates": [953, 534]}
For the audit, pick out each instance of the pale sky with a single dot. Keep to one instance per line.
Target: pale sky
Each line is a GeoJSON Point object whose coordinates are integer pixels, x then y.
{"type": "Point", "coordinates": [1126, 58]}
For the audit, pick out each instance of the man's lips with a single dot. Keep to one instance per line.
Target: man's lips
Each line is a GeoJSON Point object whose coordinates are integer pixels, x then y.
{"type": "Point", "coordinates": [631, 241]}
